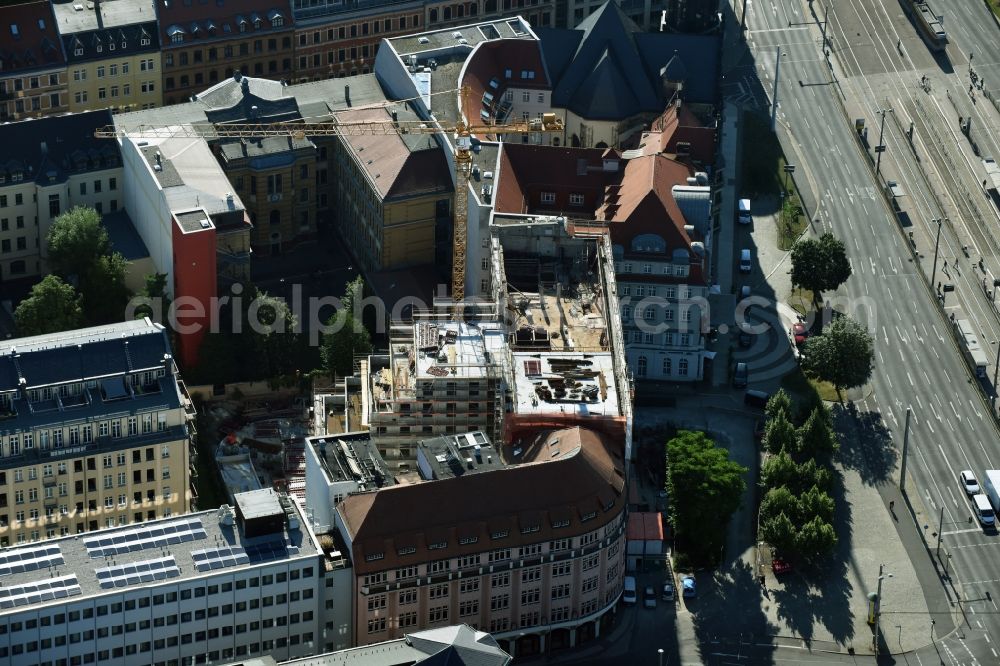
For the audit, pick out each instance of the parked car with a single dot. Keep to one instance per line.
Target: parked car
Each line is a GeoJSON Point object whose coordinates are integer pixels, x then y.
{"type": "Point", "coordinates": [799, 333]}
{"type": "Point", "coordinates": [969, 482]}
{"type": "Point", "coordinates": [779, 566]}
{"type": "Point", "coordinates": [746, 337]}
{"type": "Point", "coordinates": [688, 587]}
{"type": "Point", "coordinates": [628, 595]}
{"type": "Point", "coordinates": [741, 375]}
{"type": "Point", "coordinates": [649, 597]}
{"type": "Point", "coordinates": [668, 592]}
{"type": "Point", "coordinates": [745, 291]}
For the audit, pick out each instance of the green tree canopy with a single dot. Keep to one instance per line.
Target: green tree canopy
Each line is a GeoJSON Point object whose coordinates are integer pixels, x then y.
{"type": "Point", "coordinates": [815, 502]}
{"type": "Point", "coordinates": [779, 470]}
{"type": "Point", "coordinates": [843, 355]}
{"type": "Point", "coordinates": [779, 434]}
{"type": "Point", "coordinates": [816, 436]}
{"type": "Point", "coordinates": [820, 264]}
{"type": "Point", "coordinates": [347, 339]}
{"type": "Point", "coordinates": [51, 307]}
{"type": "Point", "coordinates": [815, 539]}
{"type": "Point", "coordinates": [779, 531]}
{"type": "Point", "coordinates": [779, 500]}
{"type": "Point", "coordinates": [705, 488]}
{"type": "Point", "coordinates": [80, 251]}
{"type": "Point", "coordinates": [76, 240]}
{"type": "Point", "coordinates": [779, 403]}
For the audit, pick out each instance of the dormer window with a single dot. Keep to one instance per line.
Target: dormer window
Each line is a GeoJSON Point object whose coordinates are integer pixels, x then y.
{"type": "Point", "coordinates": [374, 557]}
{"type": "Point", "coordinates": [440, 545]}
{"type": "Point", "coordinates": [144, 42]}
{"type": "Point", "coordinates": [78, 51]}
{"type": "Point", "coordinates": [111, 46]}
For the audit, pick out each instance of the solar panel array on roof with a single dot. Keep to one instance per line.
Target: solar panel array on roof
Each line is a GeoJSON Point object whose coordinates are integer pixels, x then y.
{"type": "Point", "coordinates": [218, 558]}
{"type": "Point", "coordinates": [134, 573]}
{"type": "Point", "coordinates": [156, 535]}
{"type": "Point", "coordinates": [44, 590]}
{"type": "Point", "coordinates": [20, 560]}
{"type": "Point", "coordinates": [270, 550]}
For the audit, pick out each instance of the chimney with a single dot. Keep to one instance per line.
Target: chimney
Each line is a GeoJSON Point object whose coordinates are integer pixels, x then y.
{"type": "Point", "coordinates": [237, 76]}
{"type": "Point", "coordinates": [395, 116]}
{"type": "Point", "coordinates": [168, 364]}
{"type": "Point", "coordinates": [253, 112]}
{"type": "Point", "coordinates": [245, 84]}
{"type": "Point", "coordinates": [347, 95]}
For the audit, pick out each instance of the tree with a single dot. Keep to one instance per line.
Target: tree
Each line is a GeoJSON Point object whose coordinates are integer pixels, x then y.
{"type": "Point", "coordinates": [103, 290]}
{"type": "Point", "coordinates": [155, 289]}
{"type": "Point", "coordinates": [76, 240]}
{"type": "Point", "coordinates": [811, 474]}
{"type": "Point", "coordinates": [80, 252]}
{"type": "Point", "coordinates": [348, 336]}
{"type": "Point", "coordinates": [779, 500]}
{"type": "Point", "coordinates": [820, 264]}
{"type": "Point", "coordinates": [52, 306]}
{"type": "Point", "coordinates": [705, 488]}
{"type": "Point", "coordinates": [779, 470]}
{"type": "Point", "coordinates": [816, 437]}
{"type": "Point", "coordinates": [346, 339]}
{"type": "Point", "coordinates": [815, 539]}
{"type": "Point", "coordinates": [843, 355]}
{"type": "Point", "coordinates": [779, 435]}
{"type": "Point", "coordinates": [779, 403]}
{"type": "Point", "coordinates": [815, 503]}
{"type": "Point", "coordinates": [779, 531]}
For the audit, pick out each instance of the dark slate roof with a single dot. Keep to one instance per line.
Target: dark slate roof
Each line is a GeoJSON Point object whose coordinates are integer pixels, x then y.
{"type": "Point", "coordinates": [48, 149]}
{"type": "Point", "coordinates": [84, 354]}
{"type": "Point", "coordinates": [608, 69]}
{"type": "Point", "coordinates": [124, 238]}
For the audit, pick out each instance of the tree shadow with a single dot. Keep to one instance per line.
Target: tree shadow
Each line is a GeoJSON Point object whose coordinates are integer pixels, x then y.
{"type": "Point", "coordinates": [718, 626]}
{"type": "Point", "coordinates": [821, 594]}
{"type": "Point", "coordinates": [865, 443]}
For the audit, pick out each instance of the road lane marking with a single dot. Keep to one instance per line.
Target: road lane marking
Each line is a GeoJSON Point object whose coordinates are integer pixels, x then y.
{"type": "Point", "coordinates": [910, 378]}
{"type": "Point", "coordinates": [954, 411]}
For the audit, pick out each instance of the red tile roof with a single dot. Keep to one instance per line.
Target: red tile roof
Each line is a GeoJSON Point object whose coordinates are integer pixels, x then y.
{"type": "Point", "coordinates": [678, 124]}
{"type": "Point", "coordinates": [526, 171]}
{"type": "Point", "coordinates": [645, 526]}
{"type": "Point", "coordinates": [29, 38]}
{"type": "Point", "coordinates": [584, 485]}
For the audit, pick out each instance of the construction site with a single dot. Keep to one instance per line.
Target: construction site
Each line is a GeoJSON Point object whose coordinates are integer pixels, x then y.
{"type": "Point", "coordinates": [545, 352]}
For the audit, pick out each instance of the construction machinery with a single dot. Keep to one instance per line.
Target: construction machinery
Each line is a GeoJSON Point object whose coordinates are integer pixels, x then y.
{"type": "Point", "coordinates": [300, 129]}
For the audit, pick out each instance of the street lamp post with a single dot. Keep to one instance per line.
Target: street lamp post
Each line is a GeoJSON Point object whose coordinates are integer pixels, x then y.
{"type": "Point", "coordinates": [937, 242]}
{"type": "Point", "coordinates": [879, 149]}
{"type": "Point", "coordinates": [660, 651]}
{"type": "Point", "coordinates": [996, 371]}
{"type": "Point", "coordinates": [878, 602]}
{"type": "Point", "coordinates": [743, 21]}
{"type": "Point", "coordinates": [774, 97]}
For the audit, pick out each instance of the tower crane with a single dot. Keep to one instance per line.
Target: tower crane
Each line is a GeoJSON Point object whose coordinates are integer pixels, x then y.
{"type": "Point", "coordinates": [462, 132]}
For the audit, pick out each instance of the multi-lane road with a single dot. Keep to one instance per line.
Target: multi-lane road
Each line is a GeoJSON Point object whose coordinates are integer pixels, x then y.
{"type": "Point", "coordinates": [878, 61]}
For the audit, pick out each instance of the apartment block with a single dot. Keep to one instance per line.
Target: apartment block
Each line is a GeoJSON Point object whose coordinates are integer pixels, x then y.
{"type": "Point", "coordinates": [539, 565]}
{"type": "Point", "coordinates": [205, 588]}
{"type": "Point", "coordinates": [33, 79]}
{"type": "Point", "coordinates": [98, 431]}
{"type": "Point", "coordinates": [204, 43]}
{"type": "Point", "coordinates": [112, 52]}
{"type": "Point", "coordinates": [51, 165]}
{"type": "Point", "coordinates": [338, 39]}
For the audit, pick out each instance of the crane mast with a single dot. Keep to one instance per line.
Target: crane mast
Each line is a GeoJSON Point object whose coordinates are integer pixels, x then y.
{"type": "Point", "coordinates": [549, 122]}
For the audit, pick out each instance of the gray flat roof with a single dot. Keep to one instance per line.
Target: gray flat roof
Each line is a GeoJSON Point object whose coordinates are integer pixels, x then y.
{"type": "Point", "coordinates": [138, 555]}
{"type": "Point", "coordinates": [114, 13]}
{"type": "Point", "coordinates": [261, 503]}
{"type": "Point", "coordinates": [450, 456]}
{"type": "Point", "coordinates": [352, 457]}
{"type": "Point", "coordinates": [471, 34]}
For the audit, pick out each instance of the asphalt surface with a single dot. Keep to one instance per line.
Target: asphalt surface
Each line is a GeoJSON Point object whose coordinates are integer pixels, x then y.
{"type": "Point", "coordinates": [917, 362]}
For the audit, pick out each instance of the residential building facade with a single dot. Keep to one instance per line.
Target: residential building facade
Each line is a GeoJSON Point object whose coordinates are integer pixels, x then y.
{"type": "Point", "coordinates": [204, 43]}
{"type": "Point", "coordinates": [112, 53]}
{"type": "Point", "coordinates": [541, 563]}
{"type": "Point", "coordinates": [52, 164]}
{"type": "Point", "coordinates": [206, 588]}
{"type": "Point", "coordinates": [33, 79]}
{"type": "Point", "coordinates": [98, 432]}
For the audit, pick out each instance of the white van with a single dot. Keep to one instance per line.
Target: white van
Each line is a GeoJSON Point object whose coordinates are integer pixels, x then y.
{"type": "Point", "coordinates": [746, 264]}
{"type": "Point", "coordinates": [744, 214]}
{"type": "Point", "coordinates": [984, 510]}
{"type": "Point", "coordinates": [628, 593]}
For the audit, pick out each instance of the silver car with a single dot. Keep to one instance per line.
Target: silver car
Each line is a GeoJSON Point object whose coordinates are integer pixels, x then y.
{"type": "Point", "coordinates": [969, 482]}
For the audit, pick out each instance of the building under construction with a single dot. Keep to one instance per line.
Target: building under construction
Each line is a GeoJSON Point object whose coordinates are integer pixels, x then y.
{"type": "Point", "coordinates": [544, 352]}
